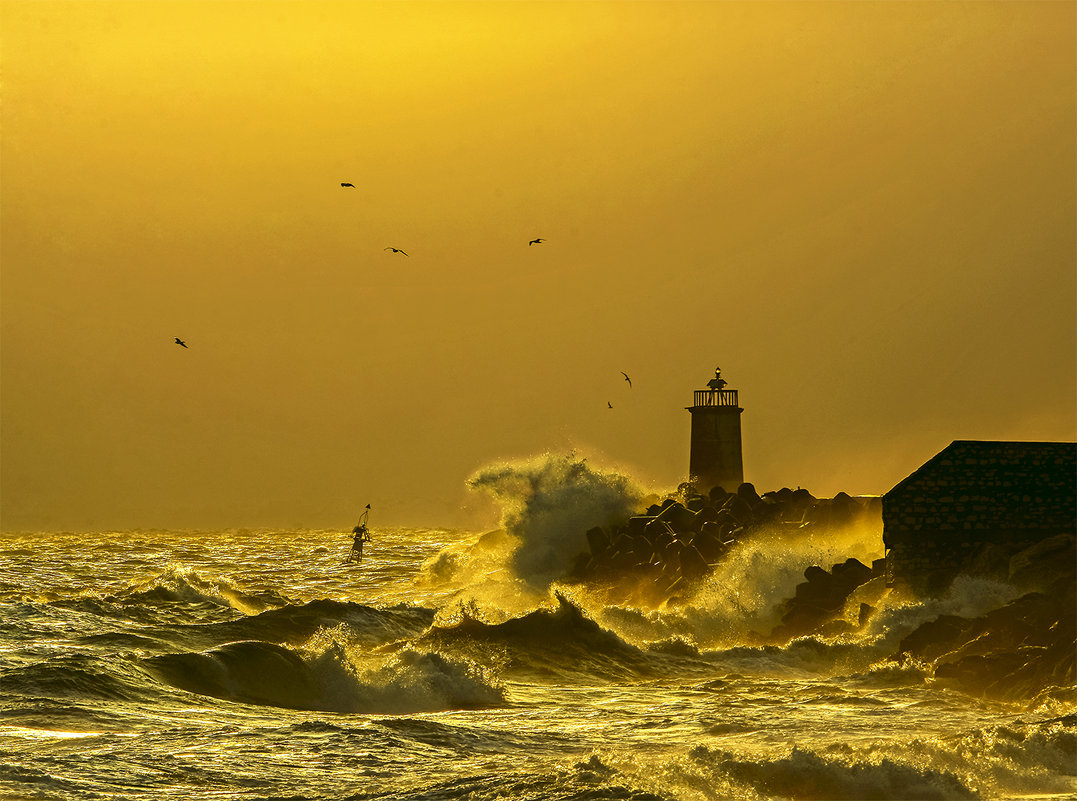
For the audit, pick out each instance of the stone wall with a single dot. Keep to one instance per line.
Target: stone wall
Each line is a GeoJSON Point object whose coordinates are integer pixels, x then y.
{"type": "Point", "coordinates": [972, 495]}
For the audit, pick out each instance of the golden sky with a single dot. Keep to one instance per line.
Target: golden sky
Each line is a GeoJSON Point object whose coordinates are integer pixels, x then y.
{"type": "Point", "coordinates": [864, 212]}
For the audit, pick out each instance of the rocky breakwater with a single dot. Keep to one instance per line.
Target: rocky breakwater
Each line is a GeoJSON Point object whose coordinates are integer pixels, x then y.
{"type": "Point", "coordinates": [677, 541]}
{"type": "Point", "coordinates": [819, 605]}
{"type": "Point", "coordinates": [1020, 650]}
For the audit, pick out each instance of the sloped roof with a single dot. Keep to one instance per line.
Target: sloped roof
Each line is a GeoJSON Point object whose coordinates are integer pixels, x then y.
{"type": "Point", "coordinates": [968, 464]}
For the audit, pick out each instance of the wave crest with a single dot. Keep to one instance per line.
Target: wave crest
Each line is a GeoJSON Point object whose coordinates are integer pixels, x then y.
{"type": "Point", "coordinates": [548, 502]}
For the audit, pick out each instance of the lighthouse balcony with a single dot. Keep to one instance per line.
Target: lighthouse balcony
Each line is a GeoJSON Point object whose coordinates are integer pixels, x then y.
{"type": "Point", "coordinates": [715, 397]}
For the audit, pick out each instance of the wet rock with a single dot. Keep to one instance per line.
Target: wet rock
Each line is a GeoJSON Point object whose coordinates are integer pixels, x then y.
{"type": "Point", "coordinates": [1011, 653]}
{"type": "Point", "coordinates": [1046, 564]}
{"type": "Point", "coordinates": [864, 615]}
{"type": "Point", "coordinates": [851, 573]}
{"type": "Point", "coordinates": [598, 541]}
{"type": "Point", "coordinates": [678, 516]}
{"type": "Point", "coordinates": [820, 598]}
{"type": "Point", "coordinates": [936, 637]}
{"type": "Point", "coordinates": [738, 508]}
{"type": "Point", "coordinates": [747, 493]}
{"type": "Point", "coordinates": [717, 495]}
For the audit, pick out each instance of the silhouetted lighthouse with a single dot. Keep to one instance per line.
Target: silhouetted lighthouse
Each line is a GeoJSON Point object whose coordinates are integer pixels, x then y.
{"type": "Point", "coordinates": [715, 458]}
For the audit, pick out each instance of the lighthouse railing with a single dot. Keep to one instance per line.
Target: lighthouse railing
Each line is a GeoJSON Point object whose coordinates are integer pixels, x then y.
{"type": "Point", "coordinates": [715, 397]}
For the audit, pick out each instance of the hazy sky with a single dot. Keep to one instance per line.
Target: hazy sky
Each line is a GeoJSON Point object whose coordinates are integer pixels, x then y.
{"type": "Point", "coordinates": [863, 212]}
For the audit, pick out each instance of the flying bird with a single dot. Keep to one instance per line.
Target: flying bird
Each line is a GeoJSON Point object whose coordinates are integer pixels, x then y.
{"type": "Point", "coordinates": [396, 250]}
{"type": "Point", "coordinates": [346, 185]}
{"type": "Point", "coordinates": [181, 343]}
{"type": "Point", "coordinates": [535, 242]}
{"type": "Point", "coordinates": [629, 380]}
{"type": "Point", "coordinates": [609, 404]}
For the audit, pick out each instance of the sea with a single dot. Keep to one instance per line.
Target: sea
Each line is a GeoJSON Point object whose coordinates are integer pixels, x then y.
{"type": "Point", "coordinates": [263, 664]}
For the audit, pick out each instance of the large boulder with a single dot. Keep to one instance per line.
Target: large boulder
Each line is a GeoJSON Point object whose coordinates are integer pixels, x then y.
{"type": "Point", "coordinates": [1049, 565]}
{"type": "Point", "coordinates": [1011, 653]}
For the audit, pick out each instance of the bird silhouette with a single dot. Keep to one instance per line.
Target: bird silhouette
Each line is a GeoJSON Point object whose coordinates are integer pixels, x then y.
{"type": "Point", "coordinates": [181, 343]}
{"type": "Point", "coordinates": [535, 242]}
{"type": "Point", "coordinates": [609, 404]}
{"type": "Point", "coordinates": [346, 185]}
{"type": "Point", "coordinates": [629, 380]}
{"type": "Point", "coordinates": [396, 250]}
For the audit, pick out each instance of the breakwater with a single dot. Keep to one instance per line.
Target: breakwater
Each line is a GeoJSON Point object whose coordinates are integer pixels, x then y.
{"type": "Point", "coordinates": [1018, 650]}
{"type": "Point", "coordinates": [676, 542]}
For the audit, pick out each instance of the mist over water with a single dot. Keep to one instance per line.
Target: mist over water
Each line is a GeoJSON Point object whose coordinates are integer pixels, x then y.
{"type": "Point", "coordinates": [462, 665]}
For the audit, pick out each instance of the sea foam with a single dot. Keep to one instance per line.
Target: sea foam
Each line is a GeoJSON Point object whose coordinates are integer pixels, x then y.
{"type": "Point", "coordinates": [548, 503]}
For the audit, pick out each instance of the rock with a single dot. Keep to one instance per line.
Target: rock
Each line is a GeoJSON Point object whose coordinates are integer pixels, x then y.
{"type": "Point", "coordinates": [1011, 653]}
{"type": "Point", "coordinates": [747, 493]}
{"type": "Point", "coordinates": [740, 510]}
{"type": "Point", "coordinates": [707, 514]}
{"type": "Point", "coordinates": [709, 543]}
{"type": "Point", "coordinates": [974, 674]}
{"type": "Point", "coordinates": [1044, 564]}
{"type": "Point", "coordinates": [990, 560]}
{"type": "Point", "coordinates": [717, 495]}
{"type": "Point", "coordinates": [678, 516]}
{"type": "Point", "coordinates": [598, 541]}
{"type": "Point", "coordinates": [864, 615]}
{"type": "Point", "coordinates": [693, 565]}
{"type": "Point", "coordinates": [936, 637]}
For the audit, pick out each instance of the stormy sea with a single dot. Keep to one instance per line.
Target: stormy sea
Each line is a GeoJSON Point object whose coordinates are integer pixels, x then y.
{"type": "Point", "coordinates": [451, 664]}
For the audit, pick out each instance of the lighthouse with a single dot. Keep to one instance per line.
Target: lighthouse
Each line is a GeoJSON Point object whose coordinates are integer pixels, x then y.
{"type": "Point", "coordinates": [715, 458]}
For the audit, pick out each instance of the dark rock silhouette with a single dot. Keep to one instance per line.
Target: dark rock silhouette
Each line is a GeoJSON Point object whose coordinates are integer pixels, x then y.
{"type": "Point", "coordinates": [678, 541]}
{"type": "Point", "coordinates": [821, 598]}
{"type": "Point", "coordinates": [1011, 653]}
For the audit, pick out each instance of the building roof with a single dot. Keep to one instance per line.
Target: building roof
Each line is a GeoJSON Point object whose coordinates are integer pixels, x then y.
{"type": "Point", "coordinates": [1013, 485]}
{"type": "Point", "coordinates": [971, 461]}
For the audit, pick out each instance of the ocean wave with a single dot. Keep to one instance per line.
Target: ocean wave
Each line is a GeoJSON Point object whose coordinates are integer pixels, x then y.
{"type": "Point", "coordinates": [807, 775]}
{"type": "Point", "coordinates": [804, 656]}
{"type": "Point", "coordinates": [887, 674]}
{"type": "Point", "coordinates": [294, 624]}
{"type": "Point", "coordinates": [179, 594]}
{"type": "Point", "coordinates": [79, 676]}
{"type": "Point", "coordinates": [368, 625]}
{"type": "Point", "coordinates": [1016, 758]}
{"type": "Point", "coordinates": [561, 642]}
{"type": "Point", "coordinates": [324, 677]}
{"type": "Point", "coordinates": [548, 502]}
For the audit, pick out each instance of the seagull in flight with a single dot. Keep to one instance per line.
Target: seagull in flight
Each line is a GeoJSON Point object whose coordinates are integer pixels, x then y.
{"type": "Point", "coordinates": [180, 342]}
{"type": "Point", "coordinates": [609, 404]}
{"type": "Point", "coordinates": [629, 380]}
{"type": "Point", "coordinates": [535, 242]}
{"type": "Point", "coordinates": [346, 185]}
{"type": "Point", "coordinates": [395, 250]}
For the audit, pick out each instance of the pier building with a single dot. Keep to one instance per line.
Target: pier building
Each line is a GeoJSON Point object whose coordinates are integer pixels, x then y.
{"type": "Point", "coordinates": [977, 502]}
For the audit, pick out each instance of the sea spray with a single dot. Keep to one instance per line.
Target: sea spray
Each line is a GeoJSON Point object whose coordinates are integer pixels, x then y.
{"type": "Point", "coordinates": [402, 682]}
{"type": "Point", "coordinates": [548, 502]}
{"type": "Point", "coordinates": [741, 599]}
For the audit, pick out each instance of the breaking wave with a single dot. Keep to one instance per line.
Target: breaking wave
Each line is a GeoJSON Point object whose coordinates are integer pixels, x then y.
{"type": "Point", "coordinates": [327, 676]}
{"type": "Point", "coordinates": [562, 641]}
{"type": "Point", "coordinates": [547, 502]}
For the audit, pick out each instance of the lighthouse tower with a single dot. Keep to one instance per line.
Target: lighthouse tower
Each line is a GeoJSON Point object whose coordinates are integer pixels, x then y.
{"type": "Point", "coordinates": [715, 458]}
